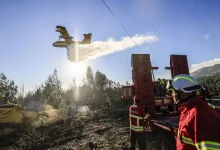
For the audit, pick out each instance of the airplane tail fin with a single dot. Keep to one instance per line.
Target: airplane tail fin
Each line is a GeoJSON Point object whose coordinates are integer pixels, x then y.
{"type": "Point", "coordinates": [87, 38]}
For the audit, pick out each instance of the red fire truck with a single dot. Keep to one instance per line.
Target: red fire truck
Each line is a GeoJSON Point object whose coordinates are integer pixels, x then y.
{"type": "Point", "coordinates": [158, 101]}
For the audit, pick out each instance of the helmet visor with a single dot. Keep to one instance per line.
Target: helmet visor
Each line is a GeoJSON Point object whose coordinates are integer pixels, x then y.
{"type": "Point", "coordinates": [191, 89]}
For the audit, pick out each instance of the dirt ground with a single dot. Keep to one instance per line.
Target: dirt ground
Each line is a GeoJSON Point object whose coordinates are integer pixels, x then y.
{"type": "Point", "coordinates": [98, 128]}
{"type": "Point", "coordinates": [104, 130]}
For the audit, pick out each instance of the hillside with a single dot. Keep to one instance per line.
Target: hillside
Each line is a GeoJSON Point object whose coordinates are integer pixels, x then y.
{"type": "Point", "coordinates": [206, 71]}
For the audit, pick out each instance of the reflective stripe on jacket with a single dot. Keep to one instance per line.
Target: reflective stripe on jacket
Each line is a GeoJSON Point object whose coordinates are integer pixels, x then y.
{"type": "Point", "coordinates": [137, 116]}
{"type": "Point", "coordinates": [204, 145]}
{"type": "Point", "coordinates": [199, 127]}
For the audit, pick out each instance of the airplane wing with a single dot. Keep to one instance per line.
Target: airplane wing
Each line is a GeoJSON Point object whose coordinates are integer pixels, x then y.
{"type": "Point", "coordinates": [64, 33]}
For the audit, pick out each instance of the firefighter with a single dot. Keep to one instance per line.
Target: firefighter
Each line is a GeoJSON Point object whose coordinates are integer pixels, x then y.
{"type": "Point", "coordinates": [162, 87]}
{"type": "Point", "coordinates": [203, 92]}
{"type": "Point", "coordinates": [164, 81]}
{"type": "Point", "coordinates": [138, 116]}
{"type": "Point", "coordinates": [199, 126]}
{"type": "Point", "coordinates": [107, 105]}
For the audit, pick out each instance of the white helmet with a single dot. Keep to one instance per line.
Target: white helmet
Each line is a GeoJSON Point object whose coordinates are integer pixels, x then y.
{"type": "Point", "coordinates": [185, 83]}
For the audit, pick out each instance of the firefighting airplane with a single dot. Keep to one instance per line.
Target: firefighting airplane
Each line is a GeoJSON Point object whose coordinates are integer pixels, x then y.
{"type": "Point", "coordinates": [68, 39]}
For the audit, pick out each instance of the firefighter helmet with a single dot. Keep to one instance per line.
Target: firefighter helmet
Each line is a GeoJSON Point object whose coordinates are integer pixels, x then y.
{"type": "Point", "coordinates": [137, 98]}
{"type": "Point", "coordinates": [185, 83]}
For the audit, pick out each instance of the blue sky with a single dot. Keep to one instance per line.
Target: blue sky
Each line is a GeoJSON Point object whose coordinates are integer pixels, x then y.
{"type": "Point", "coordinates": [190, 27]}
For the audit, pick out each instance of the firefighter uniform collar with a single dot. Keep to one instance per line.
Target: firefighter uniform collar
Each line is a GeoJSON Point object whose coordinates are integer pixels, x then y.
{"type": "Point", "coordinates": [184, 106]}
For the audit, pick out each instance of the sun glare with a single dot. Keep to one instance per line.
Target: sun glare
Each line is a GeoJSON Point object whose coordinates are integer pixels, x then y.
{"type": "Point", "coordinates": [77, 71]}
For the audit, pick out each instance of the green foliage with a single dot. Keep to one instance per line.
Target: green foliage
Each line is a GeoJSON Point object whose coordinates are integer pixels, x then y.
{"type": "Point", "coordinates": [8, 89]}
{"type": "Point", "coordinates": [100, 80]}
{"type": "Point", "coordinates": [94, 92]}
{"type": "Point", "coordinates": [210, 81]}
{"type": "Point", "coordinates": [52, 90]}
{"type": "Point", "coordinates": [98, 88]}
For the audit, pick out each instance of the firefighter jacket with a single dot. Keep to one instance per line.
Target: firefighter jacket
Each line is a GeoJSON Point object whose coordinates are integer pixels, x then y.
{"type": "Point", "coordinates": [199, 127]}
{"type": "Point", "coordinates": [137, 116]}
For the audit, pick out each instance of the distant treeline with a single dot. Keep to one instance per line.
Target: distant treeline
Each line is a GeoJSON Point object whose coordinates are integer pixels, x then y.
{"type": "Point", "coordinates": [94, 91]}
{"type": "Point", "coordinates": [212, 81]}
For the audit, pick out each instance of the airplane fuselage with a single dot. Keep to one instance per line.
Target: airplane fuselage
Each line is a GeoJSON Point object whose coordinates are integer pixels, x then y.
{"type": "Point", "coordinates": [61, 44]}
{"type": "Point", "coordinates": [65, 43]}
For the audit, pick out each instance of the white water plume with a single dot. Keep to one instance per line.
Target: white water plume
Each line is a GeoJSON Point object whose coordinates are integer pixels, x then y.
{"type": "Point", "coordinates": [77, 53]}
